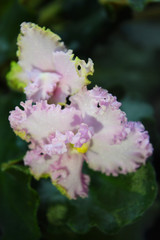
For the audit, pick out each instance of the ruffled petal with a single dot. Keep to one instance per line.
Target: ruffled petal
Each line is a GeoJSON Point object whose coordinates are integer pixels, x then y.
{"type": "Point", "coordinates": [37, 122]}
{"type": "Point", "coordinates": [41, 85]}
{"type": "Point", "coordinates": [100, 110]}
{"type": "Point", "coordinates": [56, 143]}
{"type": "Point", "coordinates": [84, 69]}
{"type": "Point", "coordinates": [38, 163]}
{"type": "Point", "coordinates": [35, 47]}
{"type": "Point", "coordinates": [67, 176]}
{"type": "Point", "coordinates": [122, 157]}
{"type": "Point", "coordinates": [83, 135]}
{"type": "Point", "coordinates": [41, 50]}
{"type": "Point", "coordinates": [72, 79]}
{"type": "Point", "coordinates": [65, 171]}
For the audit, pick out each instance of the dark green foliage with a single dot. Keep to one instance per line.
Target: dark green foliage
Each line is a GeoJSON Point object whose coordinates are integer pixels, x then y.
{"type": "Point", "coordinates": [113, 202]}
{"type": "Point", "coordinates": [10, 145]}
{"type": "Point", "coordinates": [19, 203]}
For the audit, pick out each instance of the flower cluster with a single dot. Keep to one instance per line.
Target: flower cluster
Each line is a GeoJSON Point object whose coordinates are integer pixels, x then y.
{"type": "Point", "coordinates": [62, 136]}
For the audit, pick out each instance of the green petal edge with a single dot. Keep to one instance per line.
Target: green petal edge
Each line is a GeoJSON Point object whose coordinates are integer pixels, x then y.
{"type": "Point", "coordinates": [62, 190]}
{"type": "Point", "coordinates": [13, 79]}
{"type": "Point", "coordinates": [42, 30]}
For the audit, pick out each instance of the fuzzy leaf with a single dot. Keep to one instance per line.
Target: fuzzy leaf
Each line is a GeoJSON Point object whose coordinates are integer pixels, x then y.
{"type": "Point", "coordinates": [10, 145]}
{"type": "Point", "coordinates": [19, 203]}
{"type": "Point", "coordinates": [113, 202]}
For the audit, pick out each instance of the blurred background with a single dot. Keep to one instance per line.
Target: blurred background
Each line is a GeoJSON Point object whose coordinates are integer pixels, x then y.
{"type": "Point", "coordinates": [122, 37]}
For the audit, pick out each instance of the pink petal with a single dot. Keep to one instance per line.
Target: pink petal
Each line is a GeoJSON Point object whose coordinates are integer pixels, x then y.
{"type": "Point", "coordinates": [39, 166]}
{"type": "Point", "coordinates": [41, 85]}
{"type": "Point", "coordinates": [71, 81]}
{"type": "Point", "coordinates": [100, 110]}
{"type": "Point", "coordinates": [67, 173]}
{"type": "Point", "coordinates": [41, 120]}
{"type": "Point", "coordinates": [58, 77]}
{"type": "Point", "coordinates": [124, 156]}
{"type": "Point", "coordinates": [56, 143]}
{"type": "Point", "coordinates": [83, 135]}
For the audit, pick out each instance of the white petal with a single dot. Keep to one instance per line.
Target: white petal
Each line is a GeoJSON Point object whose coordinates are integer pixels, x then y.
{"type": "Point", "coordinates": [72, 80]}
{"type": "Point", "coordinates": [68, 175]}
{"type": "Point", "coordinates": [41, 85]}
{"type": "Point", "coordinates": [36, 46]}
{"type": "Point", "coordinates": [123, 157]}
{"type": "Point", "coordinates": [41, 120]}
{"type": "Point", "coordinates": [39, 166]}
{"type": "Point", "coordinates": [100, 110]}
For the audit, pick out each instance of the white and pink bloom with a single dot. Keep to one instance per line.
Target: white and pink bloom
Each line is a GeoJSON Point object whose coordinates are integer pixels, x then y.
{"type": "Point", "coordinates": [92, 129]}
{"type": "Point", "coordinates": [46, 69]}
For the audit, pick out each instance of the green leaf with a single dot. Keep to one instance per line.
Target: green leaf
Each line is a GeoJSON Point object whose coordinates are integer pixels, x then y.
{"type": "Point", "coordinates": [135, 4]}
{"type": "Point", "coordinates": [57, 214]}
{"type": "Point", "coordinates": [143, 33]}
{"type": "Point", "coordinates": [19, 203]}
{"type": "Point", "coordinates": [133, 73]}
{"type": "Point", "coordinates": [113, 202]}
{"type": "Point", "coordinates": [10, 19]}
{"type": "Point", "coordinates": [30, 4]}
{"type": "Point", "coordinates": [140, 4]}
{"type": "Point", "coordinates": [136, 110]}
{"type": "Point", "coordinates": [11, 146]}
{"type": "Point", "coordinates": [14, 165]}
{"type": "Point", "coordinates": [50, 11]}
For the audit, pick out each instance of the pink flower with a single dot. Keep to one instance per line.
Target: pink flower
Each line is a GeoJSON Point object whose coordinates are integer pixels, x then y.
{"type": "Point", "coordinates": [46, 69]}
{"type": "Point", "coordinates": [92, 129]}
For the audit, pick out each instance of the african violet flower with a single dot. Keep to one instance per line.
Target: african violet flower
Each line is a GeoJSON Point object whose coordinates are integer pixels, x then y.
{"type": "Point", "coordinates": [46, 70]}
{"type": "Point", "coordinates": [92, 129]}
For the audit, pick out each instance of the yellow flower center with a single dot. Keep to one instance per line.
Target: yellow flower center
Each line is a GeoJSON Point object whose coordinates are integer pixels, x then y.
{"type": "Point", "coordinates": [83, 148]}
